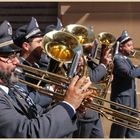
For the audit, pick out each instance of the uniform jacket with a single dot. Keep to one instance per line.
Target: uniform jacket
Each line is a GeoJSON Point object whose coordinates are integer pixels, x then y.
{"type": "Point", "coordinates": [18, 121]}
{"type": "Point", "coordinates": [89, 124]}
{"type": "Point", "coordinates": [96, 73]}
{"type": "Point", "coordinates": [123, 83]}
{"type": "Point", "coordinates": [38, 98]}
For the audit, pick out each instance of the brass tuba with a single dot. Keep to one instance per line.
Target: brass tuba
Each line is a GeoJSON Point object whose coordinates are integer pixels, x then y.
{"type": "Point", "coordinates": [61, 48]}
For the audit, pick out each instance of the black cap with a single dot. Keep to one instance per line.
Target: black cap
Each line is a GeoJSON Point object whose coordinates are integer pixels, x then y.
{"type": "Point", "coordinates": [124, 37]}
{"type": "Point", "coordinates": [56, 27]}
{"type": "Point", "coordinates": [6, 42]}
{"type": "Point", "coordinates": [27, 31]}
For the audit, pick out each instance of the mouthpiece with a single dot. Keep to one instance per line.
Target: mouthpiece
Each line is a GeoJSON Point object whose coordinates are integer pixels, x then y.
{"type": "Point", "coordinates": [133, 52]}
{"type": "Point", "coordinates": [18, 70]}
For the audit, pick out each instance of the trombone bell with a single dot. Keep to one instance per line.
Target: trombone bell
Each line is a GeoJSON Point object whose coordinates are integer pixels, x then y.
{"type": "Point", "coordinates": [59, 51]}
{"type": "Point", "coordinates": [60, 46]}
{"type": "Point", "coordinates": [106, 39]}
{"type": "Point", "coordinates": [84, 35]}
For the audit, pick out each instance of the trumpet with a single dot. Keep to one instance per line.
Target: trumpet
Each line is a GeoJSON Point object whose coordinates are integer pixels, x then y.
{"type": "Point", "coordinates": [135, 53]}
{"type": "Point", "coordinates": [110, 114]}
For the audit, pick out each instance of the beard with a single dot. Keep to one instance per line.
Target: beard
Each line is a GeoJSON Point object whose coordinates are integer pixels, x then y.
{"type": "Point", "coordinates": [8, 79]}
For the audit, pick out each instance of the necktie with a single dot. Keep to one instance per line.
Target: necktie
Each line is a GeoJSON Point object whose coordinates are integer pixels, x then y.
{"type": "Point", "coordinates": [12, 95]}
{"type": "Point", "coordinates": [27, 103]}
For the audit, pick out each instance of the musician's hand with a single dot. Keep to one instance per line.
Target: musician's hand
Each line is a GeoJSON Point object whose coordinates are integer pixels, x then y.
{"type": "Point", "coordinates": [106, 57]}
{"type": "Point", "coordinates": [77, 91]}
{"type": "Point", "coordinates": [82, 109]}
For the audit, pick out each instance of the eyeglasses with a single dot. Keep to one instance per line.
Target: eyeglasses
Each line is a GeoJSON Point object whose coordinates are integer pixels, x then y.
{"type": "Point", "coordinates": [10, 58]}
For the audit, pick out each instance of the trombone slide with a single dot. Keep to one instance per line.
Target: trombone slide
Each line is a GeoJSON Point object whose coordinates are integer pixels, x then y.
{"type": "Point", "coordinates": [113, 115]}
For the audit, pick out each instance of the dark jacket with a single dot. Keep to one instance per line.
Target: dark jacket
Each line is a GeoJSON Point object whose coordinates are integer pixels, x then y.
{"type": "Point", "coordinates": [89, 123]}
{"type": "Point", "coordinates": [18, 121]}
{"type": "Point", "coordinates": [123, 83]}
{"type": "Point", "coordinates": [96, 73]}
{"type": "Point", "coordinates": [37, 97]}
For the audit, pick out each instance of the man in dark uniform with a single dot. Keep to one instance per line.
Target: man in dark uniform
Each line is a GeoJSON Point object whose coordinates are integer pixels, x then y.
{"type": "Point", "coordinates": [19, 116]}
{"type": "Point", "coordinates": [123, 88]}
{"type": "Point", "coordinates": [29, 38]}
{"type": "Point", "coordinates": [89, 124]}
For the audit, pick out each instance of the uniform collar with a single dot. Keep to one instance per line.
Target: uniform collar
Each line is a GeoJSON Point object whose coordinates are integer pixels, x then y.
{"type": "Point", "coordinates": [125, 57]}
{"type": "Point", "coordinates": [4, 88]}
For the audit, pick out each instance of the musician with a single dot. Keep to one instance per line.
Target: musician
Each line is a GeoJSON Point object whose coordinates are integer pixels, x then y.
{"type": "Point", "coordinates": [19, 117]}
{"type": "Point", "coordinates": [123, 88]}
{"type": "Point", "coordinates": [89, 123]}
{"type": "Point", "coordinates": [29, 38]}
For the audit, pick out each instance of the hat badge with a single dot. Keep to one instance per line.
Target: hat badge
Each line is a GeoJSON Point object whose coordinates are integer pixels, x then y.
{"type": "Point", "coordinates": [125, 34]}
{"type": "Point", "coordinates": [9, 29]}
{"type": "Point", "coordinates": [36, 23]}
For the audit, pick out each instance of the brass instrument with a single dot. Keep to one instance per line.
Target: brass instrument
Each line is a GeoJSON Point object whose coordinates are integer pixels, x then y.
{"type": "Point", "coordinates": [106, 41]}
{"type": "Point", "coordinates": [60, 47]}
{"type": "Point", "coordinates": [61, 41]}
{"type": "Point", "coordinates": [135, 53]}
{"type": "Point", "coordinates": [55, 79]}
{"type": "Point", "coordinates": [82, 33]}
{"type": "Point", "coordinates": [85, 36]}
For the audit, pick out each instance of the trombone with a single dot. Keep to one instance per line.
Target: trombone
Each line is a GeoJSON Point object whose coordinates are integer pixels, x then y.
{"type": "Point", "coordinates": [110, 114]}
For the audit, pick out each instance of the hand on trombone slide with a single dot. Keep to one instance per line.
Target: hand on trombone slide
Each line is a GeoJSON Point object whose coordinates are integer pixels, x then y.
{"type": "Point", "coordinates": [78, 91]}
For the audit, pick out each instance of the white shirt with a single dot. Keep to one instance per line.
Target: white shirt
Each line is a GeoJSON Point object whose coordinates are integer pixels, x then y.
{"type": "Point", "coordinates": [6, 89]}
